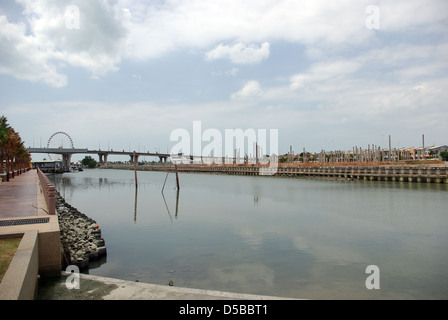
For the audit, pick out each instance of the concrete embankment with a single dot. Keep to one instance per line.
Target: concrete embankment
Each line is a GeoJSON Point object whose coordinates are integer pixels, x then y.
{"type": "Point", "coordinates": [80, 236]}
{"type": "Point", "coordinates": [93, 287]}
{"type": "Point", "coordinates": [429, 173]}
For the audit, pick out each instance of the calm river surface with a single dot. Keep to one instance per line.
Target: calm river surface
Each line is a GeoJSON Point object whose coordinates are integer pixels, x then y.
{"type": "Point", "coordinates": [286, 237]}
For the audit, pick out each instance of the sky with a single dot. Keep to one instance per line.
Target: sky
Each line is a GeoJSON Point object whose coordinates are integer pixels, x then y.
{"type": "Point", "coordinates": [125, 74]}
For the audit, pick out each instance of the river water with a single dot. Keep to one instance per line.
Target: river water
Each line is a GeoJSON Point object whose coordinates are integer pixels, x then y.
{"type": "Point", "coordinates": [300, 238]}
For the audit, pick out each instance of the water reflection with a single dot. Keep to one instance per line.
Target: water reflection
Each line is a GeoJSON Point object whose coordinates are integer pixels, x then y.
{"type": "Point", "coordinates": [177, 205]}
{"type": "Point", "coordinates": [255, 201]}
{"type": "Point", "coordinates": [105, 181]}
{"type": "Point", "coordinates": [135, 205]}
{"type": "Point", "coordinates": [177, 196]}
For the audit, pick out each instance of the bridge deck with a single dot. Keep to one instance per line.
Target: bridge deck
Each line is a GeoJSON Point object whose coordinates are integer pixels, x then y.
{"type": "Point", "coordinates": [87, 151]}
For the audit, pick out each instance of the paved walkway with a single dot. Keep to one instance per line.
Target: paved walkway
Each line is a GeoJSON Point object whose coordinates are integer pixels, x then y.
{"type": "Point", "coordinates": [18, 196]}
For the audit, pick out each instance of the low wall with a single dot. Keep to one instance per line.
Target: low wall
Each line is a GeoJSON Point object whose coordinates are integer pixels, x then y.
{"type": "Point", "coordinates": [50, 254]}
{"type": "Point", "coordinates": [48, 191]}
{"type": "Point", "coordinates": [20, 280]}
{"type": "Point", "coordinates": [428, 174]}
{"type": "Point", "coordinates": [39, 252]}
{"type": "Point", "coordinates": [49, 251]}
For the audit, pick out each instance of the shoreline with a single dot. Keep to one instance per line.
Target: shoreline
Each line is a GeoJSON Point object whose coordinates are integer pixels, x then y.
{"type": "Point", "coordinates": [409, 171]}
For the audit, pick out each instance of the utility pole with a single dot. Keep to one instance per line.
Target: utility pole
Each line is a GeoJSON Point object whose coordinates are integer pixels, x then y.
{"type": "Point", "coordinates": [135, 169]}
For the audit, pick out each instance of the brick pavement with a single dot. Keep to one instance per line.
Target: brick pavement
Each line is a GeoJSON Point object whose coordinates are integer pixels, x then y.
{"type": "Point", "coordinates": [18, 197]}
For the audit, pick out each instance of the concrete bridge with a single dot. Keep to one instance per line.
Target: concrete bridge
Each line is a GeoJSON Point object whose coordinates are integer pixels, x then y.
{"type": "Point", "coordinates": [102, 154]}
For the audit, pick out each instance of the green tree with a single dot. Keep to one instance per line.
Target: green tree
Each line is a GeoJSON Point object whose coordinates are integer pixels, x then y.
{"type": "Point", "coordinates": [4, 128]}
{"type": "Point", "coordinates": [444, 155]}
{"type": "Point", "coordinates": [89, 162]}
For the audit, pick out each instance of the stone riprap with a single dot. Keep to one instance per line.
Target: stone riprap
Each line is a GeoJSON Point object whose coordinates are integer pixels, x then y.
{"type": "Point", "coordinates": [80, 235]}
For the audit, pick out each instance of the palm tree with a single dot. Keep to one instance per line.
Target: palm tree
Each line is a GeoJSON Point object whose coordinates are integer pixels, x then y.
{"type": "Point", "coordinates": [4, 128]}
{"type": "Point", "coordinates": [12, 149]}
{"type": "Point", "coordinates": [22, 156]}
{"type": "Point", "coordinates": [10, 146]}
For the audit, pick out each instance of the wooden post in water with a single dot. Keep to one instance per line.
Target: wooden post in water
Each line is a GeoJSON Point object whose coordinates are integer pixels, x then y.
{"type": "Point", "coordinates": [177, 177]}
{"type": "Point", "coordinates": [134, 157]}
{"type": "Point", "coordinates": [165, 181]}
{"type": "Point", "coordinates": [135, 205]}
{"type": "Point", "coordinates": [177, 202]}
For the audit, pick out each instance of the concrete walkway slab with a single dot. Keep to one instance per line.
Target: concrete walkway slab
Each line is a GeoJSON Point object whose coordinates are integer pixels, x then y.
{"type": "Point", "coordinates": [18, 196]}
{"type": "Point", "coordinates": [102, 288]}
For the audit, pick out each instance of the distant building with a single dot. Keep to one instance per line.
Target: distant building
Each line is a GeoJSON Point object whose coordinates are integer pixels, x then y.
{"type": "Point", "coordinates": [405, 153]}
{"type": "Point", "coordinates": [436, 150]}
{"type": "Point", "coordinates": [430, 152]}
{"type": "Point", "coordinates": [49, 166]}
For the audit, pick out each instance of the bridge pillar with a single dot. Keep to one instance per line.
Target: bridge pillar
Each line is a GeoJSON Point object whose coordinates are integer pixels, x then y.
{"type": "Point", "coordinates": [162, 159]}
{"type": "Point", "coordinates": [66, 161]}
{"type": "Point", "coordinates": [102, 157]}
{"type": "Point", "coordinates": [134, 159]}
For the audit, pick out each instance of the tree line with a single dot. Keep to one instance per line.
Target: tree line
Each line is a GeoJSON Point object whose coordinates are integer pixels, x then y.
{"type": "Point", "coordinates": [14, 156]}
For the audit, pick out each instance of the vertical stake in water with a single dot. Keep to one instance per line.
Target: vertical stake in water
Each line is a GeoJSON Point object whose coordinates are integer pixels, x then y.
{"type": "Point", "coordinates": [177, 177]}
{"type": "Point", "coordinates": [178, 187]}
{"type": "Point", "coordinates": [135, 169]}
{"type": "Point", "coordinates": [165, 181]}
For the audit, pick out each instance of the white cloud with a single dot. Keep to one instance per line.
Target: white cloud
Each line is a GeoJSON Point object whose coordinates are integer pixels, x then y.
{"type": "Point", "coordinates": [375, 89]}
{"type": "Point", "coordinates": [251, 90]}
{"type": "Point", "coordinates": [111, 31]}
{"type": "Point", "coordinates": [388, 78]}
{"type": "Point", "coordinates": [331, 69]}
{"type": "Point", "coordinates": [23, 58]}
{"type": "Point", "coordinates": [324, 73]}
{"type": "Point", "coordinates": [298, 81]}
{"type": "Point", "coordinates": [39, 47]}
{"type": "Point", "coordinates": [415, 16]}
{"type": "Point", "coordinates": [239, 53]}
{"type": "Point", "coordinates": [178, 25]}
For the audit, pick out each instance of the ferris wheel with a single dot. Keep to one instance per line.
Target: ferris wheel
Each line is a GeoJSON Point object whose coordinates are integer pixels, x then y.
{"type": "Point", "coordinates": [59, 140]}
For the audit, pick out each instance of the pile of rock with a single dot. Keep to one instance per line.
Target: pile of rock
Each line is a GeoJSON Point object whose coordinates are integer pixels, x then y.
{"type": "Point", "coordinates": [80, 235]}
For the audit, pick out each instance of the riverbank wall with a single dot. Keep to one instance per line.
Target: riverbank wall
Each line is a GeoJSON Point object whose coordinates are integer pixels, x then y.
{"type": "Point", "coordinates": [427, 173]}
{"type": "Point", "coordinates": [80, 237]}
